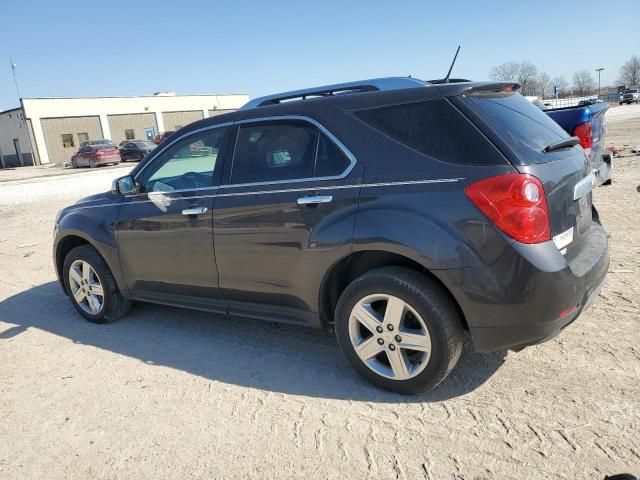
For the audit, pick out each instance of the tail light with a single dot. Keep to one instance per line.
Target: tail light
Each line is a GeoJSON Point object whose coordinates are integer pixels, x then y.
{"type": "Point", "coordinates": [583, 132]}
{"type": "Point", "coordinates": [515, 203]}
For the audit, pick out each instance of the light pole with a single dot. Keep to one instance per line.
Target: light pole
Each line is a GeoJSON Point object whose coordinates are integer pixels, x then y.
{"type": "Point", "coordinates": [24, 116]}
{"type": "Point", "coordinates": [599, 70]}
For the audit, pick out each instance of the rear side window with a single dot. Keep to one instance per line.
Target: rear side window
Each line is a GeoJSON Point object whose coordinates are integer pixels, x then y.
{"type": "Point", "coordinates": [526, 129]}
{"type": "Point", "coordinates": [331, 160]}
{"type": "Point", "coordinates": [435, 128]}
{"type": "Point", "coordinates": [274, 151]}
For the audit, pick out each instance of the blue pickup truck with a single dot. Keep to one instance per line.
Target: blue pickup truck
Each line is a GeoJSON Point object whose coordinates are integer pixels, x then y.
{"type": "Point", "coordinates": [587, 122]}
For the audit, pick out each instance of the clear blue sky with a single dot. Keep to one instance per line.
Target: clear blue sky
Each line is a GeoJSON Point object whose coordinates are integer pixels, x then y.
{"type": "Point", "coordinates": [88, 48]}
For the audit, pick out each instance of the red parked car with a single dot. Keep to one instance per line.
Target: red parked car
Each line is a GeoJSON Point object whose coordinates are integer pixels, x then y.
{"type": "Point", "coordinates": [94, 155]}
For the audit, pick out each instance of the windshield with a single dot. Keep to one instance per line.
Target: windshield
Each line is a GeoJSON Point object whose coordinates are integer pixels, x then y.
{"type": "Point", "coordinates": [631, 91]}
{"type": "Point", "coordinates": [145, 145]}
{"type": "Point", "coordinates": [520, 124]}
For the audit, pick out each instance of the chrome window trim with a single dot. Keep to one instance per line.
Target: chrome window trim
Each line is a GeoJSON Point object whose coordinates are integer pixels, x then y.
{"type": "Point", "coordinates": [315, 123]}
{"type": "Point", "coordinates": [352, 159]}
{"type": "Point", "coordinates": [286, 190]}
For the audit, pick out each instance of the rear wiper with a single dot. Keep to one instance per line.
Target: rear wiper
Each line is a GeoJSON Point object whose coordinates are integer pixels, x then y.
{"type": "Point", "coordinates": [564, 143]}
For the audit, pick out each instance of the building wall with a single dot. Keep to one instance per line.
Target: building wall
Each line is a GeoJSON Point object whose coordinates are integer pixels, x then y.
{"type": "Point", "coordinates": [136, 122]}
{"type": "Point", "coordinates": [53, 128]}
{"type": "Point", "coordinates": [176, 120]}
{"type": "Point", "coordinates": [180, 109]}
{"type": "Point", "coordinates": [13, 126]}
{"type": "Point", "coordinates": [215, 113]}
{"type": "Point", "coordinates": [32, 144]}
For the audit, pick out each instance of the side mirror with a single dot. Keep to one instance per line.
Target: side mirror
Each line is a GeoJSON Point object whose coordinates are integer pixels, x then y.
{"type": "Point", "coordinates": [124, 186]}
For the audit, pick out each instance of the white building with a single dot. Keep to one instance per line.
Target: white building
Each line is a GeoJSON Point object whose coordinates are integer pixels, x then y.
{"type": "Point", "coordinates": [50, 130]}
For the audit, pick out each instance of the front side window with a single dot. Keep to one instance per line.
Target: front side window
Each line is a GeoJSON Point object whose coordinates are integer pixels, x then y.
{"type": "Point", "coordinates": [274, 151]}
{"type": "Point", "coordinates": [190, 163]}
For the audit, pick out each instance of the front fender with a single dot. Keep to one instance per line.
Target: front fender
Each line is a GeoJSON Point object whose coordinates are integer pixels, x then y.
{"type": "Point", "coordinates": [94, 225]}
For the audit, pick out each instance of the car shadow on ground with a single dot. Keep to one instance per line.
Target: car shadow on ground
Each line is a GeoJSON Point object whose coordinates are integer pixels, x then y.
{"type": "Point", "coordinates": [275, 357]}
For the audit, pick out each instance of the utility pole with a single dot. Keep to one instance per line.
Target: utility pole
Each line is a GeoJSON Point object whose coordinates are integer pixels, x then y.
{"type": "Point", "coordinates": [599, 70]}
{"type": "Point", "coordinates": [24, 115]}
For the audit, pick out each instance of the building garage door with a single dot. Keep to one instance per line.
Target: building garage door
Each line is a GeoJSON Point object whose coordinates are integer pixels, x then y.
{"type": "Point", "coordinates": [133, 124]}
{"type": "Point", "coordinates": [176, 120]}
{"type": "Point", "coordinates": [63, 136]}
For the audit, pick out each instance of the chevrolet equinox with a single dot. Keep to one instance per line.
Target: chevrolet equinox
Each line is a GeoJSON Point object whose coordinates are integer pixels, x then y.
{"type": "Point", "coordinates": [396, 212]}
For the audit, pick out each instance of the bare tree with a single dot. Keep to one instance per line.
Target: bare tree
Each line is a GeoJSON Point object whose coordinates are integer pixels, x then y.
{"type": "Point", "coordinates": [524, 73]}
{"type": "Point", "coordinates": [527, 78]}
{"type": "Point", "coordinates": [583, 83]}
{"type": "Point", "coordinates": [630, 71]}
{"type": "Point", "coordinates": [562, 84]}
{"type": "Point", "coordinates": [545, 85]}
{"type": "Point", "coordinates": [507, 72]}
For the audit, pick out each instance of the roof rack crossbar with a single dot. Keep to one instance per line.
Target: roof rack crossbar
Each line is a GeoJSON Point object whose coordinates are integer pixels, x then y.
{"type": "Point", "coordinates": [375, 84]}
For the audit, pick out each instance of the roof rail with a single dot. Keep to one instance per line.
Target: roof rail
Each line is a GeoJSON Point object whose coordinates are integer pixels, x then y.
{"type": "Point", "coordinates": [374, 84]}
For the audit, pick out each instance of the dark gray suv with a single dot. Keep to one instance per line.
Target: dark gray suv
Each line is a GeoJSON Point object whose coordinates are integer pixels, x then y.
{"type": "Point", "coordinates": [397, 212]}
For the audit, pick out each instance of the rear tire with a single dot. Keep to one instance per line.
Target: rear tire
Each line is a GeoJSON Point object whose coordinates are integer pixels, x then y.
{"type": "Point", "coordinates": [106, 303]}
{"type": "Point", "coordinates": [92, 163]}
{"type": "Point", "coordinates": [429, 320]}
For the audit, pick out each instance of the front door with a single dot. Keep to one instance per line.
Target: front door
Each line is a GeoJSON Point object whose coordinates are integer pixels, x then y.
{"type": "Point", "coordinates": [269, 220]}
{"type": "Point", "coordinates": [165, 233]}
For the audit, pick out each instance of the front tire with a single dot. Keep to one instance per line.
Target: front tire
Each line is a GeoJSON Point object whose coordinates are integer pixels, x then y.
{"type": "Point", "coordinates": [91, 286]}
{"type": "Point", "coordinates": [399, 329]}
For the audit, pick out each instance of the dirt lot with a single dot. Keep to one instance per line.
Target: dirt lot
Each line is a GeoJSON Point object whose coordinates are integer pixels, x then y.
{"type": "Point", "coordinates": [167, 393]}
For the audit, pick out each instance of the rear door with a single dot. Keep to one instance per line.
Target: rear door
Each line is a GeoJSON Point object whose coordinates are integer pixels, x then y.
{"type": "Point", "coordinates": [522, 132]}
{"type": "Point", "coordinates": [276, 222]}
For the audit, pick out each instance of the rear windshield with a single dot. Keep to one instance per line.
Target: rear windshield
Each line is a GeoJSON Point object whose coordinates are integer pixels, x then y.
{"type": "Point", "coordinates": [434, 128]}
{"type": "Point", "coordinates": [525, 128]}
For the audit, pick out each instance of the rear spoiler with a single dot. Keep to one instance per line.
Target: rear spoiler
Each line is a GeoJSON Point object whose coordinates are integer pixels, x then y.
{"type": "Point", "coordinates": [499, 88]}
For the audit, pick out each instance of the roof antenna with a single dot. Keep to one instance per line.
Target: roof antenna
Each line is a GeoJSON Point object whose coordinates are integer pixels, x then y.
{"type": "Point", "coordinates": [446, 79]}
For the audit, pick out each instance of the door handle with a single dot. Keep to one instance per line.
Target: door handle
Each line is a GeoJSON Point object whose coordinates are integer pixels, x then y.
{"type": "Point", "coordinates": [194, 211]}
{"type": "Point", "coordinates": [315, 200]}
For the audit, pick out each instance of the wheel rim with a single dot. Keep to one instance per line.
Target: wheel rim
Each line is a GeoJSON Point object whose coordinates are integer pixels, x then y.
{"type": "Point", "coordinates": [86, 287]}
{"type": "Point", "coordinates": [389, 336]}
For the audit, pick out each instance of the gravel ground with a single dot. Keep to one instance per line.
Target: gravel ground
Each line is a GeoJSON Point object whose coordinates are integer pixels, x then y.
{"type": "Point", "coordinates": [168, 393]}
{"type": "Point", "coordinates": [623, 112]}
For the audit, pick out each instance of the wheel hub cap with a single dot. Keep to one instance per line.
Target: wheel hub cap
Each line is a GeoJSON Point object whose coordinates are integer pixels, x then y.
{"type": "Point", "coordinates": [389, 336]}
{"type": "Point", "coordinates": [86, 287]}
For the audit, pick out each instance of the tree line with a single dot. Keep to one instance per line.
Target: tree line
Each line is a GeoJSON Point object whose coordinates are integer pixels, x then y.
{"type": "Point", "coordinates": [536, 83]}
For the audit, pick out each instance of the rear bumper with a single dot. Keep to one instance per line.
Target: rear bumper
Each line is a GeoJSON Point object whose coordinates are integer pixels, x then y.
{"type": "Point", "coordinates": [602, 172]}
{"type": "Point", "coordinates": [530, 293]}
{"type": "Point", "coordinates": [106, 160]}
